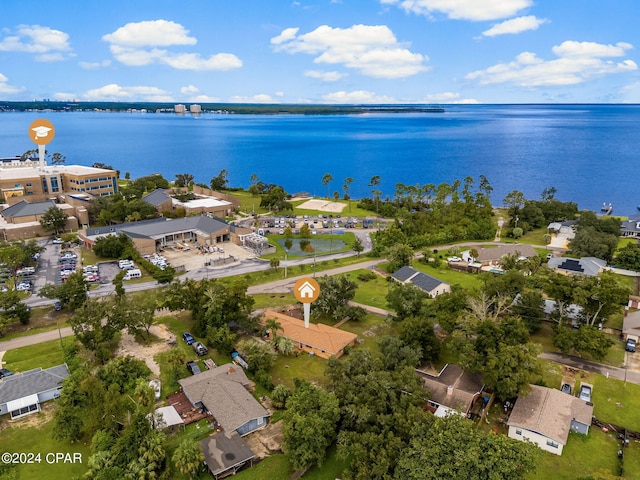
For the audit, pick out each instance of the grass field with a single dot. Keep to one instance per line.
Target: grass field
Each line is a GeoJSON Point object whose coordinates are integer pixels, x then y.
{"type": "Point", "coordinates": [24, 436]}
{"type": "Point", "coordinates": [44, 355]}
{"type": "Point", "coordinates": [452, 277]}
{"type": "Point", "coordinates": [372, 292]}
{"type": "Point", "coordinates": [584, 456]}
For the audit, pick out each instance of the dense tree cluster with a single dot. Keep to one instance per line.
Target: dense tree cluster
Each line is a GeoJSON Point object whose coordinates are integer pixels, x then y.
{"type": "Point", "coordinates": [595, 236]}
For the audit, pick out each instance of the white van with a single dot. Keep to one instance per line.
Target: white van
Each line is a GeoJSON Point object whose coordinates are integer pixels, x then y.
{"type": "Point", "coordinates": [133, 273]}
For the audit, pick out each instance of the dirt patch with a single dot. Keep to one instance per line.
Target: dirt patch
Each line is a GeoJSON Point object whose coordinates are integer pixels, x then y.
{"type": "Point", "coordinates": [266, 441]}
{"type": "Point", "coordinates": [35, 420]}
{"type": "Point", "coordinates": [129, 346]}
{"type": "Point", "coordinates": [323, 206]}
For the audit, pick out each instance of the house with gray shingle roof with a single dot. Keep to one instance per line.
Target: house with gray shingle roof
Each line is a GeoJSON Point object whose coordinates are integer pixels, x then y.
{"type": "Point", "coordinates": [428, 284]}
{"type": "Point", "coordinates": [546, 416]}
{"type": "Point", "coordinates": [451, 391]}
{"type": "Point", "coordinates": [159, 198]}
{"type": "Point", "coordinates": [587, 266]}
{"type": "Point", "coordinates": [21, 394]}
{"type": "Point", "coordinates": [225, 454]}
{"type": "Point", "coordinates": [493, 256]}
{"type": "Point", "coordinates": [223, 392]}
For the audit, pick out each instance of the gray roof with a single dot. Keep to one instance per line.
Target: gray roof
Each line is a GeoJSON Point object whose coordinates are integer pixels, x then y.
{"type": "Point", "coordinates": [203, 223]}
{"type": "Point", "coordinates": [32, 382]}
{"type": "Point", "coordinates": [421, 280]}
{"type": "Point", "coordinates": [588, 266]}
{"type": "Point", "coordinates": [225, 450]}
{"type": "Point", "coordinates": [549, 412]}
{"type": "Point", "coordinates": [631, 225]}
{"type": "Point", "coordinates": [115, 229]}
{"type": "Point", "coordinates": [157, 197]}
{"type": "Point", "coordinates": [464, 387]}
{"type": "Point", "coordinates": [631, 324]}
{"type": "Point", "coordinates": [222, 391]}
{"type": "Point", "coordinates": [25, 209]}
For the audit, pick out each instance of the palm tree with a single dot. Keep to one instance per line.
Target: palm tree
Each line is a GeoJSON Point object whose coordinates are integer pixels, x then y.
{"type": "Point", "coordinates": [374, 182]}
{"type": "Point", "coordinates": [188, 458]}
{"type": "Point", "coordinates": [284, 345]}
{"type": "Point", "coordinates": [326, 180]}
{"type": "Point", "coordinates": [273, 326]}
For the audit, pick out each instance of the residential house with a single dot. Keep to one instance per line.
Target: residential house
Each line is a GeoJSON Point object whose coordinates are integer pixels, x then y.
{"type": "Point", "coordinates": [631, 326]}
{"type": "Point", "coordinates": [21, 394]}
{"type": "Point", "coordinates": [223, 392]}
{"type": "Point", "coordinates": [452, 391]}
{"type": "Point", "coordinates": [546, 416]}
{"type": "Point", "coordinates": [428, 284]}
{"type": "Point", "coordinates": [225, 453]}
{"type": "Point", "coordinates": [565, 227]}
{"type": "Point", "coordinates": [320, 339]}
{"type": "Point", "coordinates": [571, 312]}
{"type": "Point", "coordinates": [634, 302]}
{"type": "Point", "coordinates": [493, 256]}
{"type": "Point", "coordinates": [631, 227]}
{"type": "Point", "coordinates": [587, 266]}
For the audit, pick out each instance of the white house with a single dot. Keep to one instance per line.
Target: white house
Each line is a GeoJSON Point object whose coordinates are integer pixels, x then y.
{"type": "Point", "coordinates": [546, 415]}
{"type": "Point", "coordinates": [428, 284]}
{"type": "Point", "coordinates": [22, 393]}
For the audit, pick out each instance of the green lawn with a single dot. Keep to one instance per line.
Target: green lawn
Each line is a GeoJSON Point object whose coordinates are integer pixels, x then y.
{"type": "Point", "coordinates": [44, 355]}
{"type": "Point", "coordinates": [616, 402]}
{"type": "Point", "coordinates": [632, 461]}
{"type": "Point", "coordinates": [22, 437]}
{"type": "Point", "coordinates": [452, 277]}
{"type": "Point", "coordinates": [372, 292]}
{"type": "Point", "coordinates": [584, 456]}
{"type": "Point", "coordinates": [274, 467]}
{"type": "Point", "coordinates": [270, 300]}
{"type": "Point", "coordinates": [288, 368]}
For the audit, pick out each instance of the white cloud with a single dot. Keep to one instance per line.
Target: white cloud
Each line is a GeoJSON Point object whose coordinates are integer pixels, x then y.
{"type": "Point", "coordinates": [94, 65]}
{"type": "Point", "coordinates": [373, 50]}
{"type": "Point", "coordinates": [474, 10]}
{"type": "Point", "coordinates": [47, 44]}
{"type": "Point", "coordinates": [630, 93]}
{"type": "Point", "coordinates": [515, 25]}
{"type": "Point", "coordinates": [136, 44]}
{"type": "Point", "coordinates": [357, 96]}
{"type": "Point", "coordinates": [260, 98]}
{"type": "Point", "coordinates": [189, 90]}
{"type": "Point", "coordinates": [115, 92]}
{"type": "Point", "coordinates": [6, 89]}
{"type": "Point", "coordinates": [204, 99]}
{"type": "Point", "coordinates": [577, 63]}
{"type": "Point", "coordinates": [152, 33]}
{"type": "Point", "coordinates": [448, 98]}
{"type": "Point", "coordinates": [64, 97]}
{"type": "Point", "coordinates": [325, 76]}
{"type": "Point", "coordinates": [279, 94]}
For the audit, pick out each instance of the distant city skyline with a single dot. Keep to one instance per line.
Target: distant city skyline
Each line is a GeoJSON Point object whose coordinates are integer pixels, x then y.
{"type": "Point", "coordinates": [320, 52]}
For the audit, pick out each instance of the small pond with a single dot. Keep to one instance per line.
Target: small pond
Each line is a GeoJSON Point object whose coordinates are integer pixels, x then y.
{"type": "Point", "coordinates": [320, 246]}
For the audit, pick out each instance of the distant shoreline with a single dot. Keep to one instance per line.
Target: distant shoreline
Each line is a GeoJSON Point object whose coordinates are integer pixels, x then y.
{"type": "Point", "coordinates": [214, 108]}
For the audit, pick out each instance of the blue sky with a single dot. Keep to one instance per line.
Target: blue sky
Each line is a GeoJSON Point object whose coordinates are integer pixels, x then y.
{"type": "Point", "coordinates": [321, 51]}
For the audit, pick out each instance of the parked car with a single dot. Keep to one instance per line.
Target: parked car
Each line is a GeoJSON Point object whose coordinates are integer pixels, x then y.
{"type": "Point", "coordinates": [187, 337]}
{"type": "Point", "coordinates": [57, 240]}
{"type": "Point", "coordinates": [585, 393]}
{"type": "Point", "coordinates": [193, 368]}
{"type": "Point", "coordinates": [630, 346]}
{"type": "Point", "coordinates": [566, 388]}
{"type": "Point", "coordinates": [57, 305]}
{"type": "Point", "coordinates": [199, 348]}
{"type": "Point", "coordinates": [23, 287]}
{"type": "Point", "coordinates": [5, 373]}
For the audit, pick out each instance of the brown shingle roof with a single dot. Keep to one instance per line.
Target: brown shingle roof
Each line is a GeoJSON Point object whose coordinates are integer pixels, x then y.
{"type": "Point", "coordinates": [323, 337]}
{"type": "Point", "coordinates": [549, 412]}
{"type": "Point", "coordinates": [495, 254]}
{"type": "Point", "coordinates": [464, 387]}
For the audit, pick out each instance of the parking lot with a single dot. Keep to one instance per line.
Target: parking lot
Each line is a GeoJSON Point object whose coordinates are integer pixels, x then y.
{"type": "Point", "coordinates": [193, 258]}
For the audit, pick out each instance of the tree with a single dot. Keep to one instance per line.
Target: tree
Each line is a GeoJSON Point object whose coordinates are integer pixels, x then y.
{"type": "Point", "coordinates": [514, 201]}
{"type": "Point", "coordinates": [586, 339]}
{"type": "Point", "coordinates": [274, 263]}
{"type": "Point", "coordinates": [335, 294]}
{"type": "Point", "coordinates": [273, 325]}
{"type": "Point", "coordinates": [113, 246]}
{"type": "Point", "coordinates": [72, 293]}
{"type": "Point", "coordinates": [279, 395]}
{"type": "Point", "coordinates": [374, 183]}
{"type": "Point", "coordinates": [452, 447]}
{"type": "Point", "coordinates": [220, 181]}
{"type": "Point", "coordinates": [188, 458]}
{"type": "Point", "coordinates": [222, 339]}
{"type": "Point", "coordinates": [12, 309]}
{"type": "Point", "coordinates": [399, 255]}
{"type": "Point", "coordinates": [396, 355]}
{"type": "Point", "coordinates": [284, 345]}
{"type": "Point", "coordinates": [58, 159]}
{"type": "Point", "coordinates": [599, 296]}
{"type": "Point", "coordinates": [138, 315]}
{"type": "Point", "coordinates": [406, 300]}
{"type": "Point", "coordinates": [260, 356]}
{"type": "Point", "coordinates": [96, 324]}
{"type": "Point", "coordinates": [13, 257]}
{"type": "Point", "coordinates": [357, 246]}
{"type": "Point", "coordinates": [309, 425]}
{"type": "Point", "coordinates": [346, 186]}
{"type": "Point", "coordinates": [629, 257]}
{"type": "Point", "coordinates": [183, 180]}
{"type": "Point", "coordinates": [419, 333]}
{"type": "Point", "coordinates": [326, 180]}
{"type": "Point", "coordinates": [529, 306]}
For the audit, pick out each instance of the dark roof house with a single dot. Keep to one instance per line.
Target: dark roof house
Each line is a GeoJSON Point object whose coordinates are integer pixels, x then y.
{"type": "Point", "coordinates": [452, 390]}
{"type": "Point", "coordinates": [157, 198]}
{"type": "Point", "coordinates": [428, 284]}
{"type": "Point", "coordinates": [22, 393]}
{"type": "Point", "coordinates": [587, 266]}
{"type": "Point", "coordinates": [225, 453]}
{"type": "Point", "coordinates": [222, 391]}
{"type": "Point", "coordinates": [26, 209]}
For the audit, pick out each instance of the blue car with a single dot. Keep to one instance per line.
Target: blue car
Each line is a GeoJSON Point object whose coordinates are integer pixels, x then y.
{"type": "Point", "coordinates": [188, 338]}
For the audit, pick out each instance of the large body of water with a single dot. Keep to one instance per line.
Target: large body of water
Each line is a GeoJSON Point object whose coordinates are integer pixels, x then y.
{"type": "Point", "coordinates": [590, 153]}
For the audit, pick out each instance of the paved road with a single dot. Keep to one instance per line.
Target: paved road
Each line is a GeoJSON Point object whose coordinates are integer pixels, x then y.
{"type": "Point", "coordinates": [575, 362]}
{"type": "Point", "coordinates": [35, 338]}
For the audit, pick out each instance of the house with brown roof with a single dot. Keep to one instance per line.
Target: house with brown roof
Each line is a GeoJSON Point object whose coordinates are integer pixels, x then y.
{"type": "Point", "coordinates": [319, 339]}
{"type": "Point", "coordinates": [223, 392]}
{"type": "Point", "coordinates": [452, 391]}
{"type": "Point", "coordinates": [493, 256]}
{"type": "Point", "coordinates": [546, 416]}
